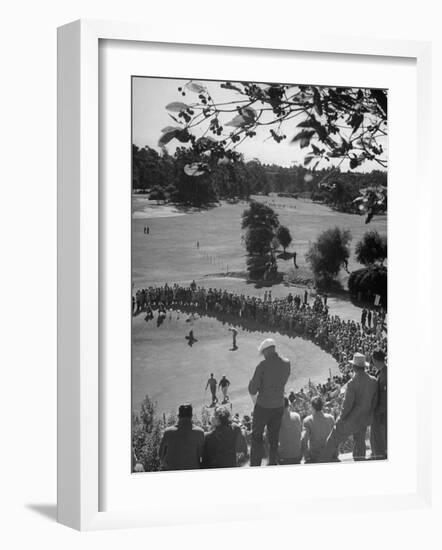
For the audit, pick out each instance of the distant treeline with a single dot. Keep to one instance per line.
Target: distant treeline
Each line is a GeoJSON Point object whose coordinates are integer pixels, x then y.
{"type": "Point", "coordinates": [163, 176]}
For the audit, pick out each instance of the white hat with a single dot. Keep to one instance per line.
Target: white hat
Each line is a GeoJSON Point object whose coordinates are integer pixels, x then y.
{"type": "Point", "coordinates": [267, 343]}
{"type": "Point", "coordinates": [359, 360]}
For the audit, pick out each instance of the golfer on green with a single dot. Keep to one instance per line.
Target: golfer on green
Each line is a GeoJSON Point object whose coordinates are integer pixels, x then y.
{"type": "Point", "coordinates": [211, 383]}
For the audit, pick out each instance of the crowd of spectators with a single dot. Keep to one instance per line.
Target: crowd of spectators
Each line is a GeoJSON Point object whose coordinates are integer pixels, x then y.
{"type": "Point", "coordinates": [294, 315]}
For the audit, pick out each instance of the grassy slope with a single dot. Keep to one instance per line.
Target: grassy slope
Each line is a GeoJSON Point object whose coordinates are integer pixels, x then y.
{"type": "Point", "coordinates": [171, 372]}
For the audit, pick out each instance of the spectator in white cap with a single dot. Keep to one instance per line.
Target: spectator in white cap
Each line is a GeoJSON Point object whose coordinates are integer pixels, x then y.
{"type": "Point", "coordinates": [356, 414]}
{"type": "Point", "coordinates": [267, 390]}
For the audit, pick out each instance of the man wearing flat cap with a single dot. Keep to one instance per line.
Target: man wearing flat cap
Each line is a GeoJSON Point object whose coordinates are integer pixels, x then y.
{"type": "Point", "coordinates": [267, 390]}
{"type": "Point", "coordinates": [356, 414]}
{"type": "Point", "coordinates": [182, 445]}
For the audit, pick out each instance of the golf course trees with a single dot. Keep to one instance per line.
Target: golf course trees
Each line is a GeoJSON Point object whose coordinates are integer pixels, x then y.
{"type": "Point", "coordinates": [283, 236]}
{"type": "Point", "coordinates": [146, 437]}
{"type": "Point", "coordinates": [365, 283]}
{"type": "Point", "coordinates": [344, 123]}
{"type": "Point", "coordinates": [190, 190]}
{"type": "Point", "coordinates": [328, 254]}
{"type": "Point", "coordinates": [371, 248]}
{"type": "Point", "coordinates": [157, 194]}
{"type": "Point", "coordinates": [333, 125]}
{"type": "Point", "coordinates": [260, 223]}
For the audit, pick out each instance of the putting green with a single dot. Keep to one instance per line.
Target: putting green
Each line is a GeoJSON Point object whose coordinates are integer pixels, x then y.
{"type": "Point", "coordinates": [171, 372]}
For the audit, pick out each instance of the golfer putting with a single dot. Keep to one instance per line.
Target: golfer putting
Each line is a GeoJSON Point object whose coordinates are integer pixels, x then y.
{"type": "Point", "coordinates": [234, 335]}
{"type": "Point", "coordinates": [266, 389]}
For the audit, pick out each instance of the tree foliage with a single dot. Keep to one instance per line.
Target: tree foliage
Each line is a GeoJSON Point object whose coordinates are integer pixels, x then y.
{"type": "Point", "coordinates": [241, 179]}
{"type": "Point", "coordinates": [330, 122]}
{"type": "Point", "coordinates": [146, 436]}
{"type": "Point", "coordinates": [260, 223]}
{"type": "Point", "coordinates": [368, 281]}
{"type": "Point", "coordinates": [157, 193]}
{"type": "Point", "coordinates": [284, 237]}
{"type": "Point", "coordinates": [371, 248]}
{"type": "Point", "coordinates": [328, 253]}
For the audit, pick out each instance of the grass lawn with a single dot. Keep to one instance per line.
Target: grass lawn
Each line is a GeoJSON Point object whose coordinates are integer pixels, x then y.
{"type": "Point", "coordinates": [169, 254]}
{"type": "Point", "coordinates": [171, 372]}
{"type": "Point", "coordinates": [164, 366]}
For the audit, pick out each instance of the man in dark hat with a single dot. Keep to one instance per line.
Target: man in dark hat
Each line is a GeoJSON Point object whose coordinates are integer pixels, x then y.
{"type": "Point", "coordinates": [182, 445]}
{"type": "Point", "coordinates": [378, 432]}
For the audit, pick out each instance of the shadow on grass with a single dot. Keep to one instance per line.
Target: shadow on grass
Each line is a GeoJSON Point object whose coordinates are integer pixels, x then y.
{"type": "Point", "coordinates": [251, 325]}
{"type": "Point", "coordinates": [277, 279]}
{"type": "Point", "coordinates": [285, 256]}
{"type": "Point", "coordinates": [258, 283]}
{"type": "Point", "coordinates": [193, 208]}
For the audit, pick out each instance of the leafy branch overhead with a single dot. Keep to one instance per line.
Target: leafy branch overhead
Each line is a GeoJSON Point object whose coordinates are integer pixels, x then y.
{"type": "Point", "coordinates": [330, 123]}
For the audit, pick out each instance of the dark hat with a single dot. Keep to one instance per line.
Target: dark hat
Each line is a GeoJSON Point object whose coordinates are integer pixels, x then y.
{"type": "Point", "coordinates": [185, 410]}
{"type": "Point", "coordinates": [379, 355]}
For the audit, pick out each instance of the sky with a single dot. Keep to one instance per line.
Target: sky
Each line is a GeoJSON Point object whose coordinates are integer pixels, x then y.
{"type": "Point", "coordinates": [149, 116]}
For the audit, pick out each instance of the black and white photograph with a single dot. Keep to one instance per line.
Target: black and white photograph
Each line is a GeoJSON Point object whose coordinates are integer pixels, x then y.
{"type": "Point", "coordinates": [228, 217]}
{"type": "Point", "coordinates": [259, 274]}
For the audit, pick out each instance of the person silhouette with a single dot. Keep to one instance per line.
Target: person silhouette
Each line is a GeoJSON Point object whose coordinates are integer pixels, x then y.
{"type": "Point", "coordinates": [191, 339]}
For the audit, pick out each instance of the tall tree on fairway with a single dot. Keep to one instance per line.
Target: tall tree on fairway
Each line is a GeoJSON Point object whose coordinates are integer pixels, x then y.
{"type": "Point", "coordinates": [260, 223]}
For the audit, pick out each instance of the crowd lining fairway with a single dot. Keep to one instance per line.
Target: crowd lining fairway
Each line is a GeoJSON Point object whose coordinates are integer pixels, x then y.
{"type": "Point", "coordinates": [163, 365]}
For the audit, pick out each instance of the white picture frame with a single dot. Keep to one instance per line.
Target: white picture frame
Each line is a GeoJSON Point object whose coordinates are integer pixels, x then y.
{"type": "Point", "coordinates": [79, 262]}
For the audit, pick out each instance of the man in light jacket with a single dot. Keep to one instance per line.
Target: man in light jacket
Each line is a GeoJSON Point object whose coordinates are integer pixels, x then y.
{"type": "Point", "coordinates": [267, 390]}
{"type": "Point", "coordinates": [356, 414]}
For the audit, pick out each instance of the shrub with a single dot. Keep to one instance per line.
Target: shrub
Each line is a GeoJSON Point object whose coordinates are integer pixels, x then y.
{"type": "Point", "coordinates": [157, 194]}
{"type": "Point", "coordinates": [369, 281]}
{"type": "Point", "coordinates": [146, 436]}
{"type": "Point", "coordinates": [371, 248]}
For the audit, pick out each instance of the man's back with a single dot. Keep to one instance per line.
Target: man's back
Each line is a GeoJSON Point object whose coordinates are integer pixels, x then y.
{"type": "Point", "coordinates": [360, 399]}
{"type": "Point", "coordinates": [221, 446]}
{"type": "Point", "coordinates": [182, 446]}
{"type": "Point", "coordinates": [318, 427]}
{"type": "Point", "coordinates": [290, 435]}
{"type": "Point", "coordinates": [211, 383]}
{"type": "Point", "coordinates": [269, 381]}
{"type": "Point", "coordinates": [381, 404]}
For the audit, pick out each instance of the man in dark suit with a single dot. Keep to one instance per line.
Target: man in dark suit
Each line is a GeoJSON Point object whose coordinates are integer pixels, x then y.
{"type": "Point", "coordinates": [356, 414]}
{"type": "Point", "coordinates": [182, 445]}
{"type": "Point", "coordinates": [378, 435]}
